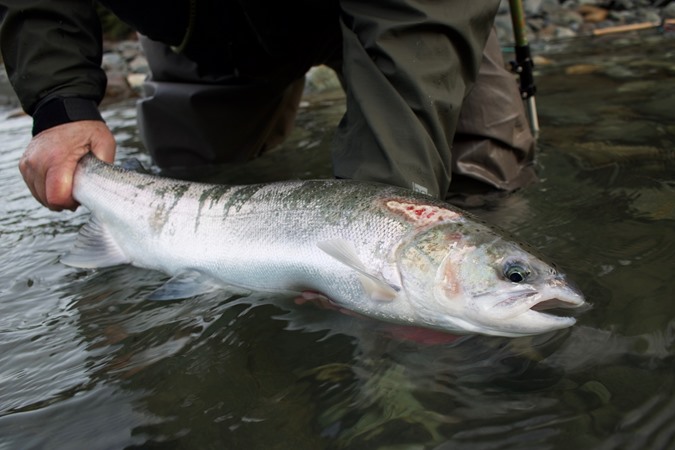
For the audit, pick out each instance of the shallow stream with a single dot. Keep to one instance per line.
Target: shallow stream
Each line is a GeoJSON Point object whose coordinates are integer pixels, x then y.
{"type": "Point", "coordinates": [86, 362]}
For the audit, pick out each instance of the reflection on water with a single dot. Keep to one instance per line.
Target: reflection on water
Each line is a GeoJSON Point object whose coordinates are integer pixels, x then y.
{"type": "Point", "coordinates": [88, 363]}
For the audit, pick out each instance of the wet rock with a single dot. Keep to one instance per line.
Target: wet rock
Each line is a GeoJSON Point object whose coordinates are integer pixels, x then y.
{"type": "Point", "coordinates": [630, 133]}
{"type": "Point", "coordinates": [567, 18]}
{"type": "Point", "coordinates": [582, 69]}
{"type": "Point", "coordinates": [658, 108]}
{"type": "Point", "coordinates": [596, 154]}
{"type": "Point", "coordinates": [549, 7]}
{"type": "Point", "coordinates": [532, 7]}
{"type": "Point", "coordinates": [321, 79]}
{"type": "Point", "coordinates": [126, 68]}
{"type": "Point", "coordinates": [592, 13]}
{"type": "Point", "coordinates": [139, 65]}
{"type": "Point", "coordinates": [118, 88]}
{"type": "Point", "coordinates": [621, 72]}
{"type": "Point", "coordinates": [656, 204]}
{"type": "Point", "coordinates": [630, 4]}
{"type": "Point", "coordinates": [541, 60]}
{"type": "Point", "coordinates": [599, 390]}
{"type": "Point", "coordinates": [636, 86]}
{"type": "Point", "coordinates": [128, 49]}
{"type": "Point", "coordinates": [135, 81]}
{"type": "Point", "coordinates": [113, 62]}
{"type": "Point", "coordinates": [563, 32]}
{"type": "Point", "coordinates": [653, 67]}
{"type": "Point", "coordinates": [651, 15]}
{"type": "Point", "coordinates": [647, 15]}
{"type": "Point", "coordinates": [504, 28]}
{"type": "Point", "coordinates": [669, 11]}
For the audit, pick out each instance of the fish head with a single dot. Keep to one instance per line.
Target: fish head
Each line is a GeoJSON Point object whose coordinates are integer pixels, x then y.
{"type": "Point", "coordinates": [465, 277]}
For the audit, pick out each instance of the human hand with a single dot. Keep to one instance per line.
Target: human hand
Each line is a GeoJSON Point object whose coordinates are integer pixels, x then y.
{"type": "Point", "coordinates": [49, 162]}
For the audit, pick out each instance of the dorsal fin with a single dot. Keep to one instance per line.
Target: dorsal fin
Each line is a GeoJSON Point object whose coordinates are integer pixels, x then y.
{"type": "Point", "coordinates": [134, 165]}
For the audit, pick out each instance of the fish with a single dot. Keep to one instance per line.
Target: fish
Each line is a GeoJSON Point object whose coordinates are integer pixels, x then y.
{"type": "Point", "coordinates": [376, 250]}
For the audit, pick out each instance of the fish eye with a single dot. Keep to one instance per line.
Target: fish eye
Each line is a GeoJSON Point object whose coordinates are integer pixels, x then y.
{"type": "Point", "coordinates": [516, 272]}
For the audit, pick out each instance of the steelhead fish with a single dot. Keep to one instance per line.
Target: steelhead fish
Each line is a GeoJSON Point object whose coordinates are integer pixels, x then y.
{"type": "Point", "coordinates": [380, 251]}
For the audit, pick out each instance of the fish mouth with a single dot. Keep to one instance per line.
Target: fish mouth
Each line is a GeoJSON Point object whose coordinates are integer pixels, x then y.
{"type": "Point", "coordinates": [547, 299]}
{"type": "Point", "coordinates": [557, 307]}
{"type": "Point", "coordinates": [556, 304]}
{"type": "Point", "coordinates": [558, 296]}
{"type": "Point", "coordinates": [533, 311]}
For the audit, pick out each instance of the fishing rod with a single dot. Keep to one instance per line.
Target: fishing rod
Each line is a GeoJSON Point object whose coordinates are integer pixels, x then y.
{"type": "Point", "coordinates": [523, 64]}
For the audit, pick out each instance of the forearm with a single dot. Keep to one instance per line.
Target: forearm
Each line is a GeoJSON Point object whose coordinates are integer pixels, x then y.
{"type": "Point", "coordinates": [52, 50]}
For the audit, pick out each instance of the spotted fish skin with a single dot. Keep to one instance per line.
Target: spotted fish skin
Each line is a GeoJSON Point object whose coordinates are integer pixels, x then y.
{"type": "Point", "coordinates": [381, 251]}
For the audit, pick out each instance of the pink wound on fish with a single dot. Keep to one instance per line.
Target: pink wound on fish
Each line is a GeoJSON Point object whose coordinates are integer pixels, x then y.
{"type": "Point", "coordinates": [423, 214]}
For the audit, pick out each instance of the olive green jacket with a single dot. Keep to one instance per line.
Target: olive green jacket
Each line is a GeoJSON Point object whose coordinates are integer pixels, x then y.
{"type": "Point", "coordinates": [52, 51]}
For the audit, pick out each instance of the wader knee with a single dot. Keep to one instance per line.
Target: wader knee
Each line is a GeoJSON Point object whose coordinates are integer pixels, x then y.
{"type": "Point", "coordinates": [493, 143]}
{"type": "Point", "coordinates": [186, 119]}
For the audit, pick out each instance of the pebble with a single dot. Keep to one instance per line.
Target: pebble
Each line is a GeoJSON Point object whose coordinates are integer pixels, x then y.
{"type": "Point", "coordinates": [582, 69]}
{"type": "Point", "coordinates": [591, 13]}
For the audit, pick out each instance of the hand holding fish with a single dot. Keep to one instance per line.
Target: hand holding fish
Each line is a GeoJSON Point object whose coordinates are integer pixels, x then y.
{"type": "Point", "coordinates": [49, 162]}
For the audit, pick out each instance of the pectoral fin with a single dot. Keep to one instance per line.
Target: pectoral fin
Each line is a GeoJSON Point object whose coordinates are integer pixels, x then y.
{"type": "Point", "coordinates": [95, 247]}
{"type": "Point", "coordinates": [185, 285]}
{"type": "Point", "coordinates": [377, 289]}
{"type": "Point", "coordinates": [344, 252]}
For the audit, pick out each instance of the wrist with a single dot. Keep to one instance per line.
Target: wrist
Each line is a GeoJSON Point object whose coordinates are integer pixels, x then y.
{"type": "Point", "coordinates": [60, 110]}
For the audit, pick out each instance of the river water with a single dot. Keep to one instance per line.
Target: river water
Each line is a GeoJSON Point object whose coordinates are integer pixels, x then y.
{"type": "Point", "coordinates": [86, 362]}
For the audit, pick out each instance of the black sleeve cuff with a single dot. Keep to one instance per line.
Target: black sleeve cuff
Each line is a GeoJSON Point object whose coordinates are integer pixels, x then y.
{"type": "Point", "coordinates": [60, 110]}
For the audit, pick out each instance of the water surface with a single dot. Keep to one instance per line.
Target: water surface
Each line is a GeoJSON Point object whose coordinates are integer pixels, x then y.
{"type": "Point", "coordinates": [87, 362]}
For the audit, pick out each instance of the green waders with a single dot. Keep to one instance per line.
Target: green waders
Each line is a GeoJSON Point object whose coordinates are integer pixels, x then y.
{"type": "Point", "coordinates": [408, 69]}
